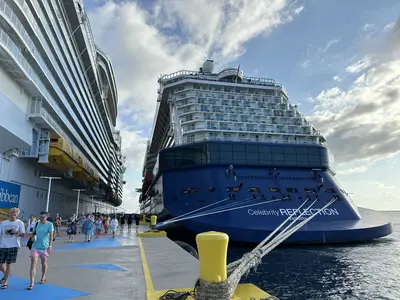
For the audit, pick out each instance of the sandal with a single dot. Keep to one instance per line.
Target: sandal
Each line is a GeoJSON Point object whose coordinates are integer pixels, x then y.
{"type": "Point", "coordinates": [4, 286]}
{"type": "Point", "coordinates": [30, 287]}
{"type": "Point", "coordinates": [42, 281]}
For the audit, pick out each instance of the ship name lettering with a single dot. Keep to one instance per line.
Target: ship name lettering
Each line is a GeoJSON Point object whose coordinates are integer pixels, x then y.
{"type": "Point", "coordinates": [263, 212]}
{"type": "Point", "coordinates": [309, 212]}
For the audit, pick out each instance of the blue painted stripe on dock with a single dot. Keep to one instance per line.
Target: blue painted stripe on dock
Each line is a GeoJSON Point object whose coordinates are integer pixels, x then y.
{"type": "Point", "coordinates": [17, 290]}
{"type": "Point", "coordinates": [108, 267]}
{"type": "Point", "coordinates": [95, 243]}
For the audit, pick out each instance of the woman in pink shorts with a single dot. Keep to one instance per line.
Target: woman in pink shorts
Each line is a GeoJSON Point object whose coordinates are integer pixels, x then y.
{"type": "Point", "coordinates": [41, 247]}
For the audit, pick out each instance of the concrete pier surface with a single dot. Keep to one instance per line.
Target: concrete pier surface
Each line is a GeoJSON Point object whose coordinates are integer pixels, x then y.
{"type": "Point", "coordinates": [124, 267]}
{"type": "Point", "coordinates": [104, 268]}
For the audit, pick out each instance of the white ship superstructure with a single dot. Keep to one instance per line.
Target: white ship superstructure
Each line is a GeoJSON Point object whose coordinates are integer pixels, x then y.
{"type": "Point", "coordinates": [194, 106]}
{"type": "Point", "coordinates": [58, 108]}
{"type": "Point", "coordinates": [230, 106]}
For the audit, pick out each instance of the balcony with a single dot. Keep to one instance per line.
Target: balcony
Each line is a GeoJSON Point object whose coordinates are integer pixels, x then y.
{"type": "Point", "coordinates": [42, 119]}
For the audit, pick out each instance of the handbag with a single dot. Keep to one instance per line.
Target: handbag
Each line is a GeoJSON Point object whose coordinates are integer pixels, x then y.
{"type": "Point", "coordinates": [29, 243]}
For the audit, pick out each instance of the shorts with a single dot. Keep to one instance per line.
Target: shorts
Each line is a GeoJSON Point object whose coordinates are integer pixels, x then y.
{"type": "Point", "coordinates": [43, 254]}
{"type": "Point", "coordinates": [8, 255]}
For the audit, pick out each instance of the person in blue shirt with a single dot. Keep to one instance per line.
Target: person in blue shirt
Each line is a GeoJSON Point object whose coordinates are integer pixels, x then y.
{"type": "Point", "coordinates": [87, 227]}
{"type": "Point", "coordinates": [41, 247]}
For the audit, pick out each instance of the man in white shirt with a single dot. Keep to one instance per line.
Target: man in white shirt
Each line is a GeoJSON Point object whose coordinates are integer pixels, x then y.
{"type": "Point", "coordinates": [10, 232]}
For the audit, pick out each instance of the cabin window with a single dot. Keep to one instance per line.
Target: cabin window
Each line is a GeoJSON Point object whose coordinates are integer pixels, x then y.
{"type": "Point", "coordinates": [234, 189]}
{"type": "Point", "coordinates": [292, 190]}
{"type": "Point", "coordinates": [191, 191]}
{"type": "Point", "coordinates": [310, 190]}
{"type": "Point", "coordinates": [254, 190]}
{"type": "Point", "coordinates": [330, 191]}
{"type": "Point", "coordinates": [273, 190]}
{"type": "Point", "coordinates": [212, 189]}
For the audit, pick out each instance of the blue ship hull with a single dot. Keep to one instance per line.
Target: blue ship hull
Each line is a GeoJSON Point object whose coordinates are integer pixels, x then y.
{"type": "Point", "coordinates": [339, 223]}
{"type": "Point", "coordinates": [265, 185]}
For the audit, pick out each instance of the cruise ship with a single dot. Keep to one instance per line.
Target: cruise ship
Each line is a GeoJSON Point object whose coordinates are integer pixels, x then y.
{"type": "Point", "coordinates": [58, 111]}
{"type": "Point", "coordinates": [230, 153]}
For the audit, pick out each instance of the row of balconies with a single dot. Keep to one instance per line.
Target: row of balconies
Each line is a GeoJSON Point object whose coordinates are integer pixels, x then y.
{"type": "Point", "coordinates": [251, 137]}
{"type": "Point", "coordinates": [266, 118]}
{"type": "Point", "coordinates": [255, 120]}
{"type": "Point", "coordinates": [208, 90]}
{"type": "Point", "coordinates": [192, 99]}
{"type": "Point", "coordinates": [252, 128]}
{"type": "Point", "coordinates": [238, 111]}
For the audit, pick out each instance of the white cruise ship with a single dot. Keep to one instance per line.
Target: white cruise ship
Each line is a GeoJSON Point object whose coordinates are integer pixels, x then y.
{"type": "Point", "coordinates": [58, 110]}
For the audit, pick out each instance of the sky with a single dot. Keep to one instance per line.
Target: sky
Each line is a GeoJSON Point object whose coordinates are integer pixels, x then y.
{"type": "Point", "coordinates": [338, 60]}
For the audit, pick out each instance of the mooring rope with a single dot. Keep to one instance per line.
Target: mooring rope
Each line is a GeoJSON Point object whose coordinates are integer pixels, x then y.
{"type": "Point", "coordinates": [236, 270]}
{"type": "Point", "coordinates": [160, 225]}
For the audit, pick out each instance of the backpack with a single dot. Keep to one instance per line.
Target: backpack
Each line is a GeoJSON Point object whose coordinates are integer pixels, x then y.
{"type": "Point", "coordinates": [29, 243]}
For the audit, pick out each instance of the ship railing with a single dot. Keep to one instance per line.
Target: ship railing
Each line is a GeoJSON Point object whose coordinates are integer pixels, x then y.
{"type": "Point", "coordinates": [186, 74]}
{"type": "Point", "coordinates": [260, 140]}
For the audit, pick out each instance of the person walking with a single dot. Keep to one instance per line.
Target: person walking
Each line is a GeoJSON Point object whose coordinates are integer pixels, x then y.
{"type": "Point", "coordinates": [122, 221]}
{"type": "Point", "coordinates": [106, 223]}
{"type": "Point", "coordinates": [31, 224]}
{"type": "Point", "coordinates": [11, 231]}
{"type": "Point", "coordinates": [130, 221]}
{"type": "Point", "coordinates": [87, 228]}
{"type": "Point", "coordinates": [113, 225]}
{"type": "Point", "coordinates": [41, 247]}
{"type": "Point", "coordinates": [71, 229]}
{"type": "Point", "coordinates": [57, 225]}
{"type": "Point", "coordinates": [137, 222]}
{"type": "Point", "coordinates": [99, 225]}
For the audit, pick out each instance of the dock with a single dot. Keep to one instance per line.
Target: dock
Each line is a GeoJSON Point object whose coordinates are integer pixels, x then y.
{"type": "Point", "coordinates": [127, 267]}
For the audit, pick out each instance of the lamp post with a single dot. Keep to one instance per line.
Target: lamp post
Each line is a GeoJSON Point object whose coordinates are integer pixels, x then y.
{"type": "Point", "coordinates": [50, 178]}
{"type": "Point", "coordinates": [77, 201]}
{"type": "Point", "coordinates": [92, 196]}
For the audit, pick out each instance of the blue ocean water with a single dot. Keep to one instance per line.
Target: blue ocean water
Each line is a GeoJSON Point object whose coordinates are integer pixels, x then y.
{"type": "Point", "coordinates": [341, 272]}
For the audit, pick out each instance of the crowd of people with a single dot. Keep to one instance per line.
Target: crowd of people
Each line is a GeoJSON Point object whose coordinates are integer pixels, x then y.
{"type": "Point", "coordinates": [44, 230]}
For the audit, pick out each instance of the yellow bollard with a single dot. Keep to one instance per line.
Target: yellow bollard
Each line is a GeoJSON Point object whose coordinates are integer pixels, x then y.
{"type": "Point", "coordinates": [212, 247]}
{"type": "Point", "coordinates": [144, 218]}
{"type": "Point", "coordinates": [153, 220]}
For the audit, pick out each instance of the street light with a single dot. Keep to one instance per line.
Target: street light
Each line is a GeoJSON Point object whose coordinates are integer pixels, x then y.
{"type": "Point", "coordinates": [92, 196]}
{"type": "Point", "coordinates": [77, 202]}
{"type": "Point", "coordinates": [50, 178]}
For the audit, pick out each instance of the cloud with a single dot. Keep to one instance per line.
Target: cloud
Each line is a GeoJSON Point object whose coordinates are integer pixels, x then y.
{"type": "Point", "coordinates": [169, 36]}
{"type": "Point", "coordinates": [317, 54]}
{"type": "Point", "coordinates": [350, 171]}
{"type": "Point", "coordinates": [360, 65]}
{"type": "Point", "coordinates": [381, 185]}
{"type": "Point", "coordinates": [362, 122]}
{"type": "Point", "coordinates": [337, 78]}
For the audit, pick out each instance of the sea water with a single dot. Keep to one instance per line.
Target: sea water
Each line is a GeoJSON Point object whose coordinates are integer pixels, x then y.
{"type": "Point", "coordinates": [350, 272]}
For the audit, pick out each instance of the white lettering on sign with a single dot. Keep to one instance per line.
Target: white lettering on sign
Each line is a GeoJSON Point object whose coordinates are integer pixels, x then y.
{"type": "Point", "coordinates": [6, 197]}
{"type": "Point", "coordinates": [293, 212]}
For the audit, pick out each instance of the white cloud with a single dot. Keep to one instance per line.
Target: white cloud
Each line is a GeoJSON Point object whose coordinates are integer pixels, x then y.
{"type": "Point", "coordinates": [170, 36]}
{"type": "Point", "coordinates": [360, 65]}
{"type": "Point", "coordinates": [354, 170]}
{"type": "Point", "coordinates": [362, 122]}
{"type": "Point", "coordinates": [381, 185]}
{"type": "Point", "coordinates": [317, 54]}
{"type": "Point", "coordinates": [337, 78]}
{"type": "Point", "coordinates": [328, 45]}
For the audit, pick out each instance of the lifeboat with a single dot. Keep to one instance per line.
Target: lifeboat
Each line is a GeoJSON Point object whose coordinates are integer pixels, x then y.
{"type": "Point", "coordinates": [83, 171]}
{"type": "Point", "coordinates": [62, 156]}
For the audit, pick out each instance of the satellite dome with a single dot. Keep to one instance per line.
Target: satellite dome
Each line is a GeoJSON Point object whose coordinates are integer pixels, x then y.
{"type": "Point", "coordinates": [208, 66]}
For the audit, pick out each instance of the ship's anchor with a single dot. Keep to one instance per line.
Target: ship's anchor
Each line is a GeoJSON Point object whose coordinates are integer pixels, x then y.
{"type": "Point", "coordinates": [274, 172]}
{"type": "Point", "coordinates": [317, 177]}
{"type": "Point", "coordinates": [230, 171]}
